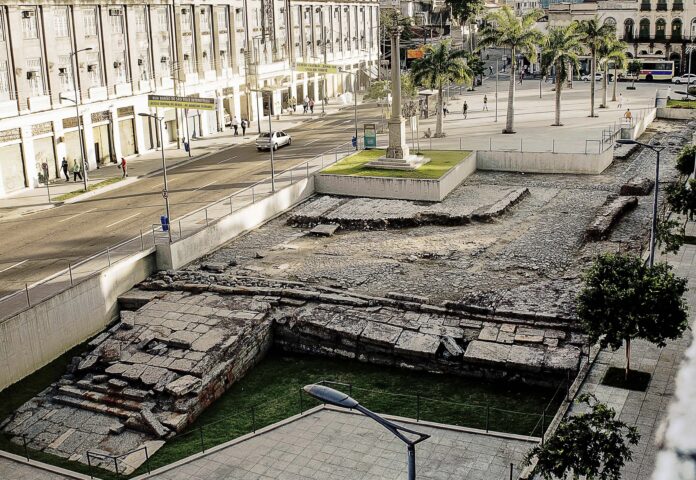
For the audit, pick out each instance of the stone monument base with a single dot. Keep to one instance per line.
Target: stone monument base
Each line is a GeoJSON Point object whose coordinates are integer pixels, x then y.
{"type": "Point", "coordinates": [411, 162]}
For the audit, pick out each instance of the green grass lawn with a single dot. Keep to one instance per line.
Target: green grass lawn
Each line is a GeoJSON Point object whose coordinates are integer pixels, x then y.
{"type": "Point", "coordinates": [272, 392]}
{"type": "Point", "coordinates": [681, 103]}
{"type": "Point", "coordinates": [103, 183]}
{"type": "Point", "coordinates": [441, 161]}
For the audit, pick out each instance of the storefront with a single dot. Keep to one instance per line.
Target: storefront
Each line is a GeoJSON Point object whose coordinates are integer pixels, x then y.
{"type": "Point", "coordinates": [12, 171]}
{"type": "Point", "coordinates": [45, 157]}
{"type": "Point", "coordinates": [101, 131]}
{"type": "Point", "coordinates": [126, 131]}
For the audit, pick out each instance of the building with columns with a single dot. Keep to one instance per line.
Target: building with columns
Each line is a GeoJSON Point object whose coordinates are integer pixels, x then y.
{"type": "Point", "coordinates": [118, 53]}
{"type": "Point", "coordinates": [654, 29]}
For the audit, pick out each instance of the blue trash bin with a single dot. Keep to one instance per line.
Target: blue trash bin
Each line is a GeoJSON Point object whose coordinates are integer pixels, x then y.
{"type": "Point", "coordinates": [164, 221]}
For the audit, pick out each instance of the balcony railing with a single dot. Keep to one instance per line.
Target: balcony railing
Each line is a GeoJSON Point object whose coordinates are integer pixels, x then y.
{"type": "Point", "coordinates": [661, 7]}
{"type": "Point", "coordinates": [644, 7]}
{"type": "Point", "coordinates": [678, 7]}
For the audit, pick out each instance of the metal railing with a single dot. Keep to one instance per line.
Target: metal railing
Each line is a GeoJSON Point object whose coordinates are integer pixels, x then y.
{"type": "Point", "coordinates": [250, 419]}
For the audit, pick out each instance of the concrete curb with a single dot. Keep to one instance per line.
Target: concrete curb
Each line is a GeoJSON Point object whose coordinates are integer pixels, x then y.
{"type": "Point", "coordinates": [43, 466]}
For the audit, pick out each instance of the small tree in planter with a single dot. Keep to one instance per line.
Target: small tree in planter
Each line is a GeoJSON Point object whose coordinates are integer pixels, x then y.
{"type": "Point", "coordinates": [622, 299]}
{"type": "Point", "coordinates": [593, 444]}
{"type": "Point", "coordinates": [681, 198]}
{"type": "Point", "coordinates": [633, 70]}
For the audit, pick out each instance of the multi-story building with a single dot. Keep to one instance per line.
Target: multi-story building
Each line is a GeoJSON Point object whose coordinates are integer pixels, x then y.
{"type": "Point", "coordinates": [109, 56]}
{"type": "Point", "coordinates": [657, 29]}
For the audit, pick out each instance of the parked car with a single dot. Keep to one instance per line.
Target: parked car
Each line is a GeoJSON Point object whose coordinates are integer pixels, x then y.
{"type": "Point", "coordinates": [687, 78]}
{"type": "Point", "coordinates": [266, 141]}
{"type": "Point", "coordinates": [598, 77]}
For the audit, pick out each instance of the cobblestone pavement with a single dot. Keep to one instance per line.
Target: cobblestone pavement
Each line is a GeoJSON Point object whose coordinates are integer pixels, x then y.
{"type": "Point", "coordinates": [344, 446]}
{"type": "Point", "coordinates": [647, 409]}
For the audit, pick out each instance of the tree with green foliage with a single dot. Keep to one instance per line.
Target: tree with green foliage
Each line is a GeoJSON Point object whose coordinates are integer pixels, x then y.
{"type": "Point", "coordinates": [477, 66]}
{"type": "Point", "coordinates": [594, 34]}
{"type": "Point", "coordinates": [593, 445]}
{"type": "Point", "coordinates": [380, 90]}
{"type": "Point", "coordinates": [465, 12]}
{"type": "Point", "coordinates": [622, 298]}
{"type": "Point", "coordinates": [518, 33]}
{"type": "Point", "coordinates": [390, 18]}
{"type": "Point", "coordinates": [611, 50]}
{"type": "Point", "coordinates": [633, 69]}
{"type": "Point", "coordinates": [681, 199]}
{"type": "Point", "coordinates": [441, 66]}
{"type": "Point", "coordinates": [618, 58]}
{"type": "Point", "coordinates": [560, 51]}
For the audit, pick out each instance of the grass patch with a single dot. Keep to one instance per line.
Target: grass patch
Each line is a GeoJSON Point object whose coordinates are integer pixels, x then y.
{"type": "Point", "coordinates": [616, 377]}
{"type": "Point", "coordinates": [90, 188]}
{"type": "Point", "coordinates": [271, 392]}
{"type": "Point", "coordinates": [681, 103]}
{"type": "Point", "coordinates": [441, 162]}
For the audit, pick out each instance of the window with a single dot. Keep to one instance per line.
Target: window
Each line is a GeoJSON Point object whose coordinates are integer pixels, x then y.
{"type": "Point", "coordinates": [205, 20]}
{"type": "Point", "coordinates": [65, 73]}
{"type": "Point", "coordinates": [222, 20]}
{"type": "Point", "coordinates": [163, 18]}
{"type": "Point", "coordinates": [116, 24]}
{"type": "Point", "coordinates": [34, 76]}
{"type": "Point", "coordinates": [4, 82]}
{"type": "Point", "coordinates": [140, 25]}
{"type": "Point", "coordinates": [94, 69]}
{"type": "Point", "coordinates": [60, 22]}
{"type": "Point", "coordinates": [89, 17]}
{"type": "Point", "coordinates": [29, 28]}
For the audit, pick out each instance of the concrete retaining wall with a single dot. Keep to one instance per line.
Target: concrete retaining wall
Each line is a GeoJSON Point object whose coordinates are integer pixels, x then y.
{"type": "Point", "coordinates": [38, 335]}
{"type": "Point", "coordinates": [182, 252]}
{"type": "Point", "coordinates": [434, 190]}
{"type": "Point", "coordinates": [676, 113]}
{"type": "Point", "coordinates": [544, 162]}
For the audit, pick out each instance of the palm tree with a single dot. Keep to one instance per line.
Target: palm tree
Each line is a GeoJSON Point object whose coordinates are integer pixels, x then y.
{"type": "Point", "coordinates": [594, 35]}
{"type": "Point", "coordinates": [505, 29]}
{"type": "Point", "coordinates": [618, 58]}
{"type": "Point", "coordinates": [440, 66]}
{"type": "Point", "coordinates": [560, 51]}
{"type": "Point", "coordinates": [609, 51]}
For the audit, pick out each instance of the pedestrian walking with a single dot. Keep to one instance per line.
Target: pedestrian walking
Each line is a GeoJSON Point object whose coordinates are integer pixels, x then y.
{"type": "Point", "coordinates": [311, 106]}
{"type": "Point", "coordinates": [293, 104]}
{"type": "Point", "coordinates": [490, 69]}
{"type": "Point", "coordinates": [245, 124]}
{"type": "Point", "coordinates": [488, 57]}
{"type": "Point", "coordinates": [64, 167]}
{"type": "Point", "coordinates": [620, 101]}
{"type": "Point", "coordinates": [465, 108]}
{"type": "Point", "coordinates": [628, 115]}
{"type": "Point", "coordinates": [305, 105]}
{"type": "Point", "coordinates": [521, 77]}
{"type": "Point", "coordinates": [235, 125]}
{"type": "Point", "coordinates": [445, 110]}
{"type": "Point", "coordinates": [124, 168]}
{"type": "Point", "coordinates": [76, 170]}
{"type": "Point", "coordinates": [485, 103]}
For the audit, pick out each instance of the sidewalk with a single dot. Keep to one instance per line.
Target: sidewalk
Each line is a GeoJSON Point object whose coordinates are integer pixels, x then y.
{"type": "Point", "coordinates": [33, 200]}
{"type": "Point", "coordinates": [646, 410]}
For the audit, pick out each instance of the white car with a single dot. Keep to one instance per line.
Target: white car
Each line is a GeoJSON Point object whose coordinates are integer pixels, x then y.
{"type": "Point", "coordinates": [274, 140]}
{"type": "Point", "coordinates": [598, 76]}
{"type": "Point", "coordinates": [687, 78]}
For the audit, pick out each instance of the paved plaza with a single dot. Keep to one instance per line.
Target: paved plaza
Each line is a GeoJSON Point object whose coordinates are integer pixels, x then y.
{"type": "Point", "coordinates": [346, 446]}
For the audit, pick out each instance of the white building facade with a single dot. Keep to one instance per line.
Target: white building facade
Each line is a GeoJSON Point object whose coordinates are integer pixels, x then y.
{"type": "Point", "coordinates": [116, 54]}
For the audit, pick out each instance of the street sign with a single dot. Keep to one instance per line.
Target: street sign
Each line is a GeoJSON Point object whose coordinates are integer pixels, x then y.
{"type": "Point", "coordinates": [171, 101]}
{"type": "Point", "coordinates": [315, 68]}
{"type": "Point", "coordinates": [415, 53]}
{"type": "Point", "coordinates": [370, 135]}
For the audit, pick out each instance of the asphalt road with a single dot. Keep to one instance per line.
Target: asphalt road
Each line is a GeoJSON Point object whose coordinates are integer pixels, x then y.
{"type": "Point", "coordinates": [37, 245]}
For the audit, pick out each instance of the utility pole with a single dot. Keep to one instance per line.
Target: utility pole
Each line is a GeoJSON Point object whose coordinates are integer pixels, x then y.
{"type": "Point", "coordinates": [496, 90]}
{"type": "Point", "coordinates": [326, 76]}
{"type": "Point", "coordinates": [80, 133]}
{"type": "Point", "coordinates": [177, 77]}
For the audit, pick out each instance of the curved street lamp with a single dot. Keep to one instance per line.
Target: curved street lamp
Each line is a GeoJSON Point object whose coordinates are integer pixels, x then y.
{"type": "Point", "coordinates": [165, 190]}
{"type": "Point", "coordinates": [340, 399]}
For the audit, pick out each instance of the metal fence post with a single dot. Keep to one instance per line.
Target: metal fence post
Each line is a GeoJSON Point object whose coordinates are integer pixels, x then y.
{"type": "Point", "coordinates": [89, 466]}
{"type": "Point", "coordinates": [253, 197]}
{"type": "Point", "coordinates": [336, 153]}
{"type": "Point", "coordinates": [307, 164]}
{"type": "Point", "coordinates": [253, 420]}
{"type": "Point", "coordinates": [543, 425]}
{"type": "Point", "coordinates": [26, 289]}
{"type": "Point", "coordinates": [181, 232]}
{"type": "Point", "coordinates": [291, 176]}
{"type": "Point", "coordinates": [116, 465]}
{"type": "Point", "coordinates": [568, 384]}
{"type": "Point", "coordinates": [200, 435]}
{"type": "Point", "coordinates": [142, 242]}
{"type": "Point", "coordinates": [488, 415]}
{"type": "Point", "coordinates": [70, 272]}
{"type": "Point", "coordinates": [147, 461]}
{"type": "Point", "coordinates": [26, 450]}
{"type": "Point", "coordinates": [206, 216]}
{"type": "Point", "coordinates": [417, 407]}
{"type": "Point", "coordinates": [511, 467]}
{"type": "Point", "coordinates": [585, 147]}
{"type": "Point", "coordinates": [553, 146]}
{"type": "Point", "coordinates": [301, 409]}
{"type": "Point", "coordinates": [231, 210]}
{"type": "Point", "coordinates": [431, 143]}
{"type": "Point", "coordinates": [520, 145]}
{"type": "Point", "coordinates": [108, 255]}
{"type": "Point", "coordinates": [490, 143]}
{"type": "Point", "coordinates": [460, 143]}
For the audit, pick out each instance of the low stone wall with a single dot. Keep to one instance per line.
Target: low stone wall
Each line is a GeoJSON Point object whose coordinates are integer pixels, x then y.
{"type": "Point", "coordinates": [676, 113]}
{"type": "Point", "coordinates": [33, 338]}
{"type": "Point", "coordinates": [544, 162]}
{"type": "Point", "coordinates": [176, 255]}
{"type": "Point", "coordinates": [434, 190]}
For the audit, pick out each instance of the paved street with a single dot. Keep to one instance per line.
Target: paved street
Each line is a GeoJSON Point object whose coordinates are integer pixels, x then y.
{"type": "Point", "coordinates": [345, 446]}
{"type": "Point", "coordinates": [40, 244]}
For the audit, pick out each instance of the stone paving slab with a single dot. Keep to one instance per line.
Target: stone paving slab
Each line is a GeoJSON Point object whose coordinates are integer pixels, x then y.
{"type": "Point", "coordinates": [11, 469]}
{"type": "Point", "coordinates": [346, 446]}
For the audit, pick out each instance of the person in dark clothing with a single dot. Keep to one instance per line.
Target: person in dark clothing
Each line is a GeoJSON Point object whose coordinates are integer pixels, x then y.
{"type": "Point", "coordinates": [64, 168]}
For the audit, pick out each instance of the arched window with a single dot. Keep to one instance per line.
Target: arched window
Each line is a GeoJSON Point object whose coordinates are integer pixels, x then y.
{"type": "Point", "coordinates": [660, 27]}
{"type": "Point", "coordinates": [610, 21]}
{"type": "Point", "coordinates": [629, 55]}
{"type": "Point", "coordinates": [676, 29]}
{"type": "Point", "coordinates": [693, 28]}
{"type": "Point", "coordinates": [657, 52]}
{"type": "Point", "coordinates": [644, 29]}
{"type": "Point", "coordinates": [629, 27]}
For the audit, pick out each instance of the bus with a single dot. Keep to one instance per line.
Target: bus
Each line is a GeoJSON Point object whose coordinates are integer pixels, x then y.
{"type": "Point", "coordinates": [656, 70]}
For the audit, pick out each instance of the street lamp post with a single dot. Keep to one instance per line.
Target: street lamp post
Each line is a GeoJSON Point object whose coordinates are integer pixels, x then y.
{"type": "Point", "coordinates": [165, 190]}
{"type": "Point", "coordinates": [77, 114]}
{"type": "Point", "coordinates": [270, 135]}
{"type": "Point", "coordinates": [340, 399]}
{"type": "Point", "coordinates": [653, 230]}
{"type": "Point", "coordinates": [355, 103]}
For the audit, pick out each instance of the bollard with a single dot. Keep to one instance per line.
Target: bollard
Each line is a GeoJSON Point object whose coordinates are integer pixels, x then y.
{"type": "Point", "coordinates": [200, 435]}
{"type": "Point", "coordinates": [70, 272]}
